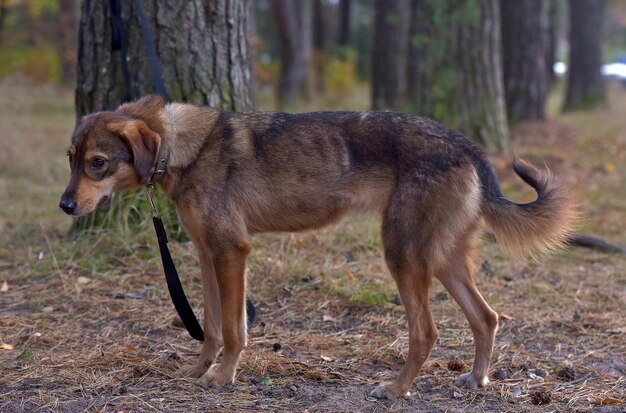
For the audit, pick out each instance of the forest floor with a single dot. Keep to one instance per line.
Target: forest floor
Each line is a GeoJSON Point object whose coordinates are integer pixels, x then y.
{"type": "Point", "coordinates": [87, 325]}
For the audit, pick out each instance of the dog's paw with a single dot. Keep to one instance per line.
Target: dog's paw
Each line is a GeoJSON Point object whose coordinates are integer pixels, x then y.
{"type": "Point", "coordinates": [388, 391]}
{"type": "Point", "coordinates": [195, 371]}
{"type": "Point", "coordinates": [218, 376]}
{"type": "Point", "coordinates": [469, 381]}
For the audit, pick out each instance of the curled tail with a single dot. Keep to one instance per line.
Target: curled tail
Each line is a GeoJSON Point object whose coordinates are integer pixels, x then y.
{"type": "Point", "coordinates": [530, 229]}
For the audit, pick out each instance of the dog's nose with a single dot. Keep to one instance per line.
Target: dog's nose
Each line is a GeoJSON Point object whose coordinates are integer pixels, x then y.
{"type": "Point", "coordinates": [68, 205]}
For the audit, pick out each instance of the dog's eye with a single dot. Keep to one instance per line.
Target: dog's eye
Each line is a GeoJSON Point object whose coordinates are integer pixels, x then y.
{"type": "Point", "coordinates": [97, 163]}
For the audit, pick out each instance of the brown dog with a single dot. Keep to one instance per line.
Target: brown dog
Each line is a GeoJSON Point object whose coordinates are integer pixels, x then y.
{"type": "Point", "coordinates": [234, 174]}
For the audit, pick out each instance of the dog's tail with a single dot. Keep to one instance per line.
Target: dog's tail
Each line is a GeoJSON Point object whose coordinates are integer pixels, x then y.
{"type": "Point", "coordinates": [527, 230]}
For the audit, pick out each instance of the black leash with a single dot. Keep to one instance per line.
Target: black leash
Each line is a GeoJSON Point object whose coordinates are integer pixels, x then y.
{"type": "Point", "coordinates": [119, 41]}
{"type": "Point", "coordinates": [183, 308]}
{"type": "Point", "coordinates": [155, 67]}
{"type": "Point", "coordinates": [175, 287]}
{"type": "Point", "coordinates": [173, 282]}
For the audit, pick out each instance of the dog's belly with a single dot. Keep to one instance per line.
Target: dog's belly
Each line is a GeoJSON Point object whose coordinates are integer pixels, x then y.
{"type": "Point", "coordinates": [301, 210]}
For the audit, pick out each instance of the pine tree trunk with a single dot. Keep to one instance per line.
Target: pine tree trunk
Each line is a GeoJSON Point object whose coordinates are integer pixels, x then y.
{"type": "Point", "coordinates": [343, 37]}
{"type": "Point", "coordinates": [294, 26]}
{"type": "Point", "coordinates": [524, 48]}
{"type": "Point", "coordinates": [4, 8]}
{"type": "Point", "coordinates": [419, 79]}
{"type": "Point", "coordinates": [585, 86]}
{"type": "Point", "coordinates": [201, 45]}
{"type": "Point", "coordinates": [554, 27]}
{"type": "Point", "coordinates": [319, 32]}
{"type": "Point", "coordinates": [389, 53]}
{"type": "Point", "coordinates": [456, 67]}
{"type": "Point", "coordinates": [67, 40]}
{"type": "Point", "coordinates": [478, 63]}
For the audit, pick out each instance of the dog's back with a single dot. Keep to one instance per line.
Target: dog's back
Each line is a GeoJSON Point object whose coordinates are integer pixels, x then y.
{"type": "Point", "coordinates": [293, 172]}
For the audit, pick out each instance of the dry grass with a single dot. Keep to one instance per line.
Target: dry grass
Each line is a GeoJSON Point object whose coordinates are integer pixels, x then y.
{"type": "Point", "coordinates": [71, 339]}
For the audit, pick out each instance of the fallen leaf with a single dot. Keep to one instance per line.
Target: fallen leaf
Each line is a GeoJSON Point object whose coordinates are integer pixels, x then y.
{"type": "Point", "coordinates": [608, 400]}
{"type": "Point", "coordinates": [5, 287]}
{"type": "Point", "coordinates": [5, 346]}
{"type": "Point", "coordinates": [610, 168]}
{"type": "Point", "coordinates": [130, 347]}
{"type": "Point", "coordinates": [266, 381]}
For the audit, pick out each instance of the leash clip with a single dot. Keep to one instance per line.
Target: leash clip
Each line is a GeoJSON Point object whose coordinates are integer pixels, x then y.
{"type": "Point", "coordinates": [149, 192]}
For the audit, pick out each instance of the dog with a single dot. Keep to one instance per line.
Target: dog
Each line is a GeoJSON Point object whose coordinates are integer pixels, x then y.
{"type": "Point", "coordinates": [234, 174]}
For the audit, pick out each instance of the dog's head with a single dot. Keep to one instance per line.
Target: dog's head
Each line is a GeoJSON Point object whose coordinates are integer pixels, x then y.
{"type": "Point", "coordinates": [112, 151]}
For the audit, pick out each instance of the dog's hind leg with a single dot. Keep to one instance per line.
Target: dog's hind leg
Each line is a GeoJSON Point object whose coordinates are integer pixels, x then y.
{"type": "Point", "coordinates": [413, 281]}
{"type": "Point", "coordinates": [458, 280]}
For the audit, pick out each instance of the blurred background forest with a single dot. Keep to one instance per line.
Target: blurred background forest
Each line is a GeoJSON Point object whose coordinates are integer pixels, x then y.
{"type": "Point", "coordinates": [468, 64]}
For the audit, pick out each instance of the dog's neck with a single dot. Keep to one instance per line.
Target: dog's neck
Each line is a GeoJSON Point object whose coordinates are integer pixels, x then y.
{"type": "Point", "coordinates": [187, 127]}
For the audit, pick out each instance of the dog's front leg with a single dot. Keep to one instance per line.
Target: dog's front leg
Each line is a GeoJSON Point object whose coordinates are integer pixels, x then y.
{"type": "Point", "coordinates": [230, 274]}
{"type": "Point", "coordinates": [212, 317]}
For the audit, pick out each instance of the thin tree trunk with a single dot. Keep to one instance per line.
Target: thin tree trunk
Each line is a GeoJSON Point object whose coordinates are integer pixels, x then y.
{"type": "Point", "coordinates": [67, 40]}
{"type": "Point", "coordinates": [524, 49]}
{"type": "Point", "coordinates": [419, 78]}
{"type": "Point", "coordinates": [4, 8]}
{"type": "Point", "coordinates": [585, 86]}
{"type": "Point", "coordinates": [294, 24]}
{"type": "Point", "coordinates": [201, 45]}
{"type": "Point", "coordinates": [389, 53]}
{"type": "Point", "coordinates": [478, 62]}
{"type": "Point", "coordinates": [253, 47]}
{"type": "Point", "coordinates": [554, 26]}
{"type": "Point", "coordinates": [343, 37]}
{"type": "Point", "coordinates": [319, 32]}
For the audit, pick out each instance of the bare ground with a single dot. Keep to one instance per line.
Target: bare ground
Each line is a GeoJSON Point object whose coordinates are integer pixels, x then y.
{"type": "Point", "coordinates": [86, 325]}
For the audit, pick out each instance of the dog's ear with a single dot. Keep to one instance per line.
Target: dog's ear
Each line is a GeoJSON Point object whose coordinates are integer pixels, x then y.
{"type": "Point", "coordinates": [143, 141]}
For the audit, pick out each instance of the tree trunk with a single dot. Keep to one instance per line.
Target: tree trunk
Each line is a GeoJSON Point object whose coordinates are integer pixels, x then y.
{"type": "Point", "coordinates": [389, 53]}
{"type": "Point", "coordinates": [459, 67]}
{"type": "Point", "coordinates": [67, 40]}
{"type": "Point", "coordinates": [201, 45]}
{"type": "Point", "coordinates": [294, 26]}
{"type": "Point", "coordinates": [4, 8]}
{"type": "Point", "coordinates": [420, 79]}
{"type": "Point", "coordinates": [318, 44]}
{"type": "Point", "coordinates": [343, 36]}
{"type": "Point", "coordinates": [585, 86]}
{"type": "Point", "coordinates": [524, 49]}
{"type": "Point", "coordinates": [478, 62]}
{"type": "Point", "coordinates": [253, 49]}
{"type": "Point", "coordinates": [554, 28]}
